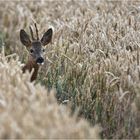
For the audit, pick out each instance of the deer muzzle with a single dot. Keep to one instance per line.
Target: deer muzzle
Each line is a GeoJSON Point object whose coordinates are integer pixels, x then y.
{"type": "Point", "coordinates": [40, 60]}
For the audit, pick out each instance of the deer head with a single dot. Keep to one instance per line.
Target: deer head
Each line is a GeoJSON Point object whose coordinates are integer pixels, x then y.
{"type": "Point", "coordinates": [35, 46]}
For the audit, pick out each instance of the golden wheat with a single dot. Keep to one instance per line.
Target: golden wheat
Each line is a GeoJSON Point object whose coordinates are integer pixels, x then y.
{"type": "Point", "coordinates": [93, 61]}
{"type": "Point", "coordinates": [29, 111]}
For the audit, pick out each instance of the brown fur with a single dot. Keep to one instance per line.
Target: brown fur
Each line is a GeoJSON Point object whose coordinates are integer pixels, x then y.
{"type": "Point", "coordinates": [30, 65]}
{"type": "Point", "coordinates": [35, 48]}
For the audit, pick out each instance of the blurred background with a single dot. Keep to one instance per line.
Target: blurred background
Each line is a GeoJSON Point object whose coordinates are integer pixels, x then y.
{"type": "Point", "coordinates": [93, 60]}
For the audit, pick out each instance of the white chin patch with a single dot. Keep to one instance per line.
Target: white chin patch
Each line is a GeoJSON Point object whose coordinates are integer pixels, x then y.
{"type": "Point", "coordinates": [40, 63]}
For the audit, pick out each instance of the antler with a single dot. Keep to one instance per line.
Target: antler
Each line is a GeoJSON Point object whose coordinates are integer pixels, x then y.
{"type": "Point", "coordinates": [36, 32]}
{"type": "Point", "coordinates": [32, 33]}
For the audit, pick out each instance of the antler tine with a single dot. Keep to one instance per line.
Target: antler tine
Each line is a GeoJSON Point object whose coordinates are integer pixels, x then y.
{"type": "Point", "coordinates": [32, 33]}
{"type": "Point", "coordinates": [36, 32]}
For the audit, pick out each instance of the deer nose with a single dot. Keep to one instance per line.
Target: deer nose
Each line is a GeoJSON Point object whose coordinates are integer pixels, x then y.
{"type": "Point", "coordinates": [40, 60]}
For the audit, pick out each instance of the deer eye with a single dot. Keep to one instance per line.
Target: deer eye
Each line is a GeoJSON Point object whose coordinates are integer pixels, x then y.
{"type": "Point", "coordinates": [31, 51]}
{"type": "Point", "coordinates": [43, 50]}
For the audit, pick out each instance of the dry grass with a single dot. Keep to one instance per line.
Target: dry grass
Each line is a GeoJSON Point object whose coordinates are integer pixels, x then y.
{"type": "Point", "coordinates": [93, 61]}
{"type": "Point", "coordinates": [29, 111]}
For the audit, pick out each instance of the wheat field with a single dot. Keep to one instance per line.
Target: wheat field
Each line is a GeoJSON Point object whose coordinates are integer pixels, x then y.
{"type": "Point", "coordinates": [89, 86]}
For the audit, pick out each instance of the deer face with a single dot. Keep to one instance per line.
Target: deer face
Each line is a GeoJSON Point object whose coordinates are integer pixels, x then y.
{"type": "Point", "coordinates": [36, 52]}
{"type": "Point", "coordinates": [35, 47]}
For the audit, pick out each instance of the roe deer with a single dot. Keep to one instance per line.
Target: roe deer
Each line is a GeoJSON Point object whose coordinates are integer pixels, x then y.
{"type": "Point", "coordinates": [35, 48]}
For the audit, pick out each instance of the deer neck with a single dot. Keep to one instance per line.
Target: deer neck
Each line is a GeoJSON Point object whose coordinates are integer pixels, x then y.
{"type": "Point", "coordinates": [30, 65]}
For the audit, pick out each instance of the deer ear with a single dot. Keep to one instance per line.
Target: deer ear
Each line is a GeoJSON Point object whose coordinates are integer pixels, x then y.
{"type": "Point", "coordinates": [47, 37]}
{"type": "Point", "coordinates": [24, 38]}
